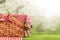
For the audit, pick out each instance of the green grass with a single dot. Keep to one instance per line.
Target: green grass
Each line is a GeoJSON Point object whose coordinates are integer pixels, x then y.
{"type": "Point", "coordinates": [43, 37]}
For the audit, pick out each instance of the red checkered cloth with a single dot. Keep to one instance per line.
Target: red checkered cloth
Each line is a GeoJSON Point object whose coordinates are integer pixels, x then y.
{"type": "Point", "coordinates": [10, 38]}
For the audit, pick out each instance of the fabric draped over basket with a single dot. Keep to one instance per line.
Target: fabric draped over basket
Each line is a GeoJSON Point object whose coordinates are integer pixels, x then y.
{"type": "Point", "coordinates": [15, 25]}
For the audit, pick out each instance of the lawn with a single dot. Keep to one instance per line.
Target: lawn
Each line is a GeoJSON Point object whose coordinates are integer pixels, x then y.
{"type": "Point", "coordinates": [43, 37]}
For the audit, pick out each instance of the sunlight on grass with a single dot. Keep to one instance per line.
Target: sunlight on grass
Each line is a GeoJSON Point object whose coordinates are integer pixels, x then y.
{"type": "Point", "coordinates": [43, 37]}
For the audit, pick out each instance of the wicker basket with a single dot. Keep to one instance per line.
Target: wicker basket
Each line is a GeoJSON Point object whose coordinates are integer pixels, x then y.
{"type": "Point", "coordinates": [10, 26]}
{"type": "Point", "coordinates": [14, 26]}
